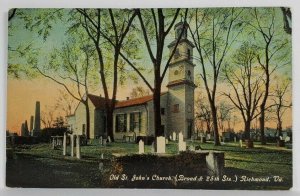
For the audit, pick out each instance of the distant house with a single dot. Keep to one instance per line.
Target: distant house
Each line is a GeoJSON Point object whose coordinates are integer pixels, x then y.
{"type": "Point", "coordinates": [136, 115]}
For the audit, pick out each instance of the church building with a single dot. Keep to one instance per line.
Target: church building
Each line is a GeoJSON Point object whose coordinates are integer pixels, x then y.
{"type": "Point", "coordinates": [136, 115]}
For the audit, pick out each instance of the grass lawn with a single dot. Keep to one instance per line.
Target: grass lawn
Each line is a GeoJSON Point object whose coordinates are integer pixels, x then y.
{"type": "Point", "coordinates": [40, 166]}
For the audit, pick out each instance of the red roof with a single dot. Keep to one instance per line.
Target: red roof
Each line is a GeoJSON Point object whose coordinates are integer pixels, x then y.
{"type": "Point", "coordinates": [136, 101]}
{"type": "Point", "coordinates": [99, 102]}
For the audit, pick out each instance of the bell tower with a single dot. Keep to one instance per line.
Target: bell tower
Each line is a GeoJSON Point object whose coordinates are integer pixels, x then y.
{"type": "Point", "coordinates": [181, 84]}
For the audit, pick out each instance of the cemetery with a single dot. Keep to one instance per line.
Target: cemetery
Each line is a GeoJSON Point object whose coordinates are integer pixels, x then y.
{"type": "Point", "coordinates": [100, 158]}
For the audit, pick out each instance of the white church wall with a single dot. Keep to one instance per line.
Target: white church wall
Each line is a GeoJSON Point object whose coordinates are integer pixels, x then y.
{"type": "Point", "coordinates": [81, 119]}
{"type": "Point", "coordinates": [176, 122]}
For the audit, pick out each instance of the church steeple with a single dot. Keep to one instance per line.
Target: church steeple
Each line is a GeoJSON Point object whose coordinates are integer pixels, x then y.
{"type": "Point", "coordinates": [181, 83]}
{"type": "Point", "coordinates": [181, 65]}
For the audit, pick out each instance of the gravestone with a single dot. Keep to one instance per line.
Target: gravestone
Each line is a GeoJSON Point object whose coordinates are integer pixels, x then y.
{"type": "Point", "coordinates": [161, 144]}
{"type": "Point", "coordinates": [170, 137]}
{"type": "Point", "coordinates": [72, 145]}
{"type": "Point", "coordinates": [208, 136]}
{"type": "Point", "coordinates": [234, 139]}
{"type": "Point", "coordinates": [167, 141]}
{"type": "Point", "coordinates": [104, 142]}
{"type": "Point", "coordinates": [65, 144]}
{"type": "Point", "coordinates": [181, 143]}
{"type": "Point", "coordinates": [152, 147]}
{"type": "Point", "coordinates": [241, 143]}
{"type": "Point", "coordinates": [109, 140]}
{"type": "Point", "coordinates": [101, 166]}
{"type": "Point", "coordinates": [174, 136]}
{"type": "Point", "coordinates": [102, 156]}
{"type": "Point", "coordinates": [78, 156]}
{"type": "Point", "coordinates": [180, 137]}
{"type": "Point", "coordinates": [181, 146]}
{"type": "Point", "coordinates": [101, 140]}
{"type": "Point", "coordinates": [215, 163]}
{"type": "Point", "coordinates": [141, 147]}
{"type": "Point", "coordinates": [191, 148]}
{"type": "Point", "coordinates": [287, 139]}
{"type": "Point", "coordinates": [53, 143]}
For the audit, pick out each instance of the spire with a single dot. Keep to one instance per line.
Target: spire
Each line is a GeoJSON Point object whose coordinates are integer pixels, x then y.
{"type": "Point", "coordinates": [37, 120]}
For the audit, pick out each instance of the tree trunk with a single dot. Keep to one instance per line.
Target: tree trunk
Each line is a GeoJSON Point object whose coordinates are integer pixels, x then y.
{"type": "Point", "coordinates": [279, 128]}
{"type": "Point", "coordinates": [247, 129]}
{"type": "Point", "coordinates": [215, 124]}
{"type": "Point", "coordinates": [262, 125]}
{"type": "Point", "coordinates": [87, 117]}
{"type": "Point", "coordinates": [157, 118]}
{"type": "Point", "coordinates": [109, 123]}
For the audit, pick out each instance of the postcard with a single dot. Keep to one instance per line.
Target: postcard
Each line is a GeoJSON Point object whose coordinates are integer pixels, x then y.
{"type": "Point", "coordinates": [169, 98]}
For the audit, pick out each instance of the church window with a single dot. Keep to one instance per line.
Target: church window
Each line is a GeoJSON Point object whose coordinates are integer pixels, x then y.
{"type": "Point", "coordinates": [188, 54]}
{"type": "Point", "coordinates": [121, 122]}
{"type": "Point", "coordinates": [176, 108]}
{"type": "Point", "coordinates": [162, 111]}
{"type": "Point", "coordinates": [135, 121]}
{"type": "Point", "coordinates": [189, 73]}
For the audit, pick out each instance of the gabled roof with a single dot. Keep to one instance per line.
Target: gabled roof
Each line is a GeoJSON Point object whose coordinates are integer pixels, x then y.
{"type": "Point", "coordinates": [99, 102]}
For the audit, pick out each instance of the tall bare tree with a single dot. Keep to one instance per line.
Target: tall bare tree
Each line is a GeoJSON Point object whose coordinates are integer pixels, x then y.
{"type": "Point", "coordinates": [213, 34]}
{"type": "Point", "coordinates": [203, 112]}
{"type": "Point", "coordinates": [112, 26]}
{"type": "Point", "coordinates": [281, 102]}
{"type": "Point", "coordinates": [273, 53]}
{"type": "Point", "coordinates": [245, 83]}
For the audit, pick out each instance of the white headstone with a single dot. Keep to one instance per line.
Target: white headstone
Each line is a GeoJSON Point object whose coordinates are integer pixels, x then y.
{"type": "Point", "coordinates": [191, 148]}
{"type": "Point", "coordinates": [171, 137]}
{"type": "Point", "coordinates": [104, 142]}
{"type": "Point", "coordinates": [208, 136]}
{"type": "Point", "coordinates": [152, 148]}
{"type": "Point", "coordinates": [109, 140]}
{"type": "Point", "coordinates": [141, 147]}
{"type": "Point", "coordinates": [167, 141]}
{"type": "Point", "coordinates": [180, 137]}
{"type": "Point", "coordinates": [72, 145]}
{"type": "Point", "coordinates": [102, 156]}
{"type": "Point", "coordinates": [161, 144]}
{"type": "Point", "coordinates": [65, 144]}
{"type": "Point", "coordinates": [78, 147]}
{"type": "Point", "coordinates": [234, 139]}
{"type": "Point", "coordinates": [101, 166]}
{"type": "Point", "coordinates": [241, 143]}
{"type": "Point", "coordinates": [53, 142]}
{"type": "Point", "coordinates": [287, 139]}
{"type": "Point", "coordinates": [174, 136]}
{"type": "Point", "coordinates": [101, 140]}
{"type": "Point", "coordinates": [280, 137]}
{"type": "Point", "coordinates": [181, 146]}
